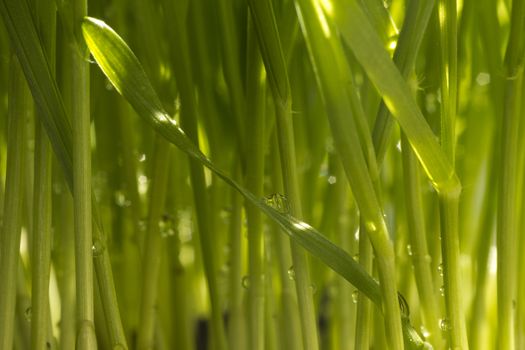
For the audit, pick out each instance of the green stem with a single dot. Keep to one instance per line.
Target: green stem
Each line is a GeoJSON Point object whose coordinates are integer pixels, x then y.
{"type": "Point", "coordinates": [272, 53]}
{"type": "Point", "coordinates": [364, 305]}
{"type": "Point", "coordinates": [326, 57]}
{"type": "Point", "coordinates": [42, 239]}
{"type": "Point", "coordinates": [291, 328]}
{"type": "Point", "coordinates": [236, 334]}
{"type": "Point", "coordinates": [189, 121]}
{"type": "Point", "coordinates": [19, 99]}
{"type": "Point", "coordinates": [84, 245]}
{"type": "Point", "coordinates": [454, 324]}
{"type": "Point", "coordinates": [507, 233]}
{"type": "Point", "coordinates": [231, 66]}
{"type": "Point", "coordinates": [254, 182]}
{"type": "Point", "coordinates": [299, 258]}
{"type": "Point", "coordinates": [152, 247]}
{"type": "Point", "coordinates": [64, 261]}
{"type": "Point", "coordinates": [421, 259]}
{"type": "Point", "coordinates": [455, 321]}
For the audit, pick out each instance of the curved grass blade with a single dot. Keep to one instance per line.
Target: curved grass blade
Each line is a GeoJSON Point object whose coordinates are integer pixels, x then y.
{"type": "Point", "coordinates": [123, 69]}
{"type": "Point", "coordinates": [369, 51]}
{"type": "Point", "coordinates": [125, 72]}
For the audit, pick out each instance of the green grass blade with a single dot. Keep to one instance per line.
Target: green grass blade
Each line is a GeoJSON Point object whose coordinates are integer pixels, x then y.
{"type": "Point", "coordinates": [123, 69]}
{"type": "Point", "coordinates": [28, 48]}
{"type": "Point", "coordinates": [275, 65]}
{"type": "Point", "coordinates": [369, 51]}
{"type": "Point", "coordinates": [19, 100]}
{"type": "Point", "coordinates": [42, 237]}
{"type": "Point", "coordinates": [333, 75]}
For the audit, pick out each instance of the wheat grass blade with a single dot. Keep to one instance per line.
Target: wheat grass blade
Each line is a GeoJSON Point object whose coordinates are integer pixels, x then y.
{"type": "Point", "coordinates": [366, 46]}
{"type": "Point", "coordinates": [19, 100]}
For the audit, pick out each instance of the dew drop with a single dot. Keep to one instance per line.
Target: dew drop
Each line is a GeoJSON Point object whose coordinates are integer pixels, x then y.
{"type": "Point", "coordinates": [27, 314]}
{"type": "Point", "coordinates": [442, 291]}
{"type": "Point", "coordinates": [121, 200]}
{"type": "Point", "coordinates": [440, 269]}
{"type": "Point", "coordinates": [97, 248]}
{"type": "Point", "coordinates": [225, 269]}
{"type": "Point", "coordinates": [291, 273]}
{"type": "Point", "coordinates": [444, 325]}
{"type": "Point", "coordinates": [355, 296]}
{"type": "Point", "coordinates": [279, 202]}
{"type": "Point", "coordinates": [370, 226]}
{"type": "Point", "coordinates": [409, 250]}
{"type": "Point", "coordinates": [332, 179]}
{"type": "Point", "coordinates": [425, 332]}
{"type": "Point", "coordinates": [246, 282]}
{"type": "Point", "coordinates": [483, 79]}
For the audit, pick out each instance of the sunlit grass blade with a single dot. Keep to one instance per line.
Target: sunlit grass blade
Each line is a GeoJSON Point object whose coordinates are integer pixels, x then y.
{"type": "Point", "coordinates": [333, 75]}
{"type": "Point", "coordinates": [366, 46]}
{"type": "Point", "coordinates": [123, 69]}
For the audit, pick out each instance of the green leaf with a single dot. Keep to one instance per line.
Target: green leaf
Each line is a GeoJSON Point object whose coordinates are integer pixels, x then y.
{"type": "Point", "coordinates": [125, 72]}
{"type": "Point", "coordinates": [28, 48]}
{"type": "Point", "coordinates": [395, 91]}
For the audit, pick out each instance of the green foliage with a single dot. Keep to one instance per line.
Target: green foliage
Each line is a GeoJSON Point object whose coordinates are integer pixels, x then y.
{"type": "Point", "coordinates": [285, 116]}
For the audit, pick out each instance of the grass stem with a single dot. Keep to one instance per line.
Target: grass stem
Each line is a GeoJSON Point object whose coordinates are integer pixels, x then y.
{"type": "Point", "coordinates": [19, 104]}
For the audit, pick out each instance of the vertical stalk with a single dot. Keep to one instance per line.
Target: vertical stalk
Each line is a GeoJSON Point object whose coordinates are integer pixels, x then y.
{"type": "Point", "coordinates": [454, 324]}
{"type": "Point", "coordinates": [42, 240]}
{"type": "Point", "coordinates": [64, 261]}
{"type": "Point", "coordinates": [291, 328]}
{"type": "Point", "coordinates": [364, 305]}
{"type": "Point", "coordinates": [189, 122]}
{"type": "Point", "coordinates": [232, 67]}
{"type": "Point", "coordinates": [299, 258]}
{"type": "Point", "coordinates": [19, 99]}
{"type": "Point", "coordinates": [507, 233]}
{"type": "Point", "coordinates": [254, 182]}
{"type": "Point", "coordinates": [418, 243]}
{"type": "Point", "coordinates": [84, 246]}
{"type": "Point", "coordinates": [152, 248]}
{"type": "Point", "coordinates": [272, 53]}
{"type": "Point", "coordinates": [326, 58]}
{"type": "Point", "coordinates": [236, 334]}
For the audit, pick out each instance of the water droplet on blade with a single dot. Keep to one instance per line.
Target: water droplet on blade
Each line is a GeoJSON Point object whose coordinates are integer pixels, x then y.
{"type": "Point", "coordinates": [291, 273]}
{"type": "Point", "coordinates": [97, 248]}
{"type": "Point", "coordinates": [444, 325]}
{"type": "Point", "coordinates": [246, 282]}
{"type": "Point", "coordinates": [27, 314]}
{"type": "Point", "coordinates": [355, 296]}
